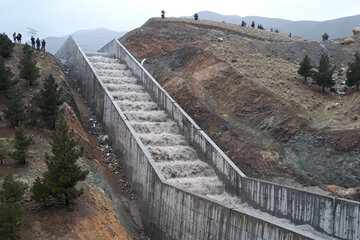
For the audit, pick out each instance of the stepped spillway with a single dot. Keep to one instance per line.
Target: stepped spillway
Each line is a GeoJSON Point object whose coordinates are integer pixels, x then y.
{"type": "Point", "coordinates": [177, 160]}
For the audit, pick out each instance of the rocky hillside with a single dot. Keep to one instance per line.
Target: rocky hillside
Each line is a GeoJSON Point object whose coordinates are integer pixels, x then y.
{"type": "Point", "coordinates": [101, 212]}
{"type": "Point", "coordinates": [241, 86]}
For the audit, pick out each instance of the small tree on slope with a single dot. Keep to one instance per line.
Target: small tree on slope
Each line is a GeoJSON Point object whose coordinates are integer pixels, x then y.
{"type": "Point", "coordinates": [21, 145]}
{"type": "Point", "coordinates": [14, 111]}
{"type": "Point", "coordinates": [48, 100]}
{"type": "Point", "coordinates": [28, 69]}
{"type": "Point", "coordinates": [5, 77]}
{"type": "Point", "coordinates": [63, 174]}
{"type": "Point", "coordinates": [6, 46]}
{"type": "Point", "coordinates": [353, 72]}
{"type": "Point", "coordinates": [11, 210]}
{"type": "Point", "coordinates": [323, 75]}
{"type": "Point", "coordinates": [305, 68]}
{"type": "Point", "coordinates": [40, 191]}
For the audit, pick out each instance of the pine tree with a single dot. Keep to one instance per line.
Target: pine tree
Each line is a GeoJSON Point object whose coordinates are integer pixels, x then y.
{"type": "Point", "coordinates": [305, 68]}
{"type": "Point", "coordinates": [14, 111]}
{"type": "Point", "coordinates": [11, 217]}
{"type": "Point", "coordinates": [28, 69]}
{"type": "Point", "coordinates": [40, 191]}
{"type": "Point", "coordinates": [2, 152]}
{"type": "Point", "coordinates": [11, 190]}
{"type": "Point", "coordinates": [243, 23]}
{"type": "Point", "coordinates": [49, 100]}
{"type": "Point", "coordinates": [323, 75]}
{"type": "Point", "coordinates": [63, 173]}
{"type": "Point", "coordinates": [21, 145]}
{"type": "Point", "coordinates": [11, 210]}
{"type": "Point", "coordinates": [5, 77]}
{"type": "Point", "coordinates": [196, 16]}
{"type": "Point", "coordinates": [353, 72]}
{"type": "Point", "coordinates": [252, 24]}
{"type": "Point", "coordinates": [6, 46]}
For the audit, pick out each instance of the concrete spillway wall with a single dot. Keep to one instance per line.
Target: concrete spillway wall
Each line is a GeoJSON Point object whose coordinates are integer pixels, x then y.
{"type": "Point", "coordinates": [169, 212]}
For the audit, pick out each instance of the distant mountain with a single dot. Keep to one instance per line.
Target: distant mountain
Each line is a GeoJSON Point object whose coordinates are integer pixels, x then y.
{"type": "Point", "coordinates": [88, 40]}
{"type": "Point", "coordinates": [336, 28]}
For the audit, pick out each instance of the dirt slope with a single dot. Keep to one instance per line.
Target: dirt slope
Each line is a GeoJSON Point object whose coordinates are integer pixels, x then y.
{"type": "Point", "coordinates": [93, 215]}
{"type": "Point", "coordinates": [241, 86]}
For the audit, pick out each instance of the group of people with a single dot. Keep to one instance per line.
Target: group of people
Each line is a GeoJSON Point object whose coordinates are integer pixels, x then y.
{"type": "Point", "coordinates": [17, 39]}
{"type": "Point", "coordinates": [43, 43]}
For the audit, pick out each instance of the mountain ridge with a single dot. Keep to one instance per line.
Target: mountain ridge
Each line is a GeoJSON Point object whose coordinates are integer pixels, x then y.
{"type": "Point", "coordinates": [307, 29]}
{"type": "Point", "coordinates": [87, 39]}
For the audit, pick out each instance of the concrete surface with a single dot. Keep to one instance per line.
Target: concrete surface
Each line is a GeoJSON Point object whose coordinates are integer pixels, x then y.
{"type": "Point", "coordinates": [169, 212]}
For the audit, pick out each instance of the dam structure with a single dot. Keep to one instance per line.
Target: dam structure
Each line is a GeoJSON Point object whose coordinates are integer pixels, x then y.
{"type": "Point", "coordinates": [186, 187]}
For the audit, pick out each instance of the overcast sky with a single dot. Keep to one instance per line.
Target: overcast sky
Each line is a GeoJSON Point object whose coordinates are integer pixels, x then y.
{"type": "Point", "coordinates": [61, 17]}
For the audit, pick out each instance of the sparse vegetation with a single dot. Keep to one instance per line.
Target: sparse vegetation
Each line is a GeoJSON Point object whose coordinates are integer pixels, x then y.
{"type": "Point", "coordinates": [28, 69]}
{"type": "Point", "coordinates": [353, 72]}
{"type": "Point", "coordinates": [323, 75]}
{"type": "Point", "coordinates": [243, 23]}
{"type": "Point", "coordinates": [15, 111]}
{"type": "Point", "coordinates": [11, 209]}
{"type": "Point", "coordinates": [252, 24]}
{"type": "Point", "coordinates": [48, 100]}
{"type": "Point", "coordinates": [6, 46]}
{"type": "Point", "coordinates": [63, 174]}
{"type": "Point", "coordinates": [305, 68]}
{"type": "Point", "coordinates": [21, 144]}
{"type": "Point", "coordinates": [325, 37]}
{"type": "Point", "coordinates": [277, 30]}
{"type": "Point", "coordinates": [6, 75]}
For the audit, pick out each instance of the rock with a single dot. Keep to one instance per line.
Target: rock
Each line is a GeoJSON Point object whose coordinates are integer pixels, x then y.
{"type": "Point", "coordinates": [348, 40]}
{"type": "Point", "coordinates": [356, 31]}
{"type": "Point", "coordinates": [103, 139]}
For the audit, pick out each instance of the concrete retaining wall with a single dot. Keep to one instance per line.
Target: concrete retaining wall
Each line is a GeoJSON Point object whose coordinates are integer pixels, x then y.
{"type": "Point", "coordinates": [334, 216]}
{"type": "Point", "coordinates": [172, 213]}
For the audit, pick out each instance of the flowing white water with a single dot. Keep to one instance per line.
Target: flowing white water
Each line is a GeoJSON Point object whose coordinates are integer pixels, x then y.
{"type": "Point", "coordinates": [177, 161]}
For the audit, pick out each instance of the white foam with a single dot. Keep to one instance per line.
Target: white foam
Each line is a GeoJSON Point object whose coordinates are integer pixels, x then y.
{"type": "Point", "coordinates": [177, 161]}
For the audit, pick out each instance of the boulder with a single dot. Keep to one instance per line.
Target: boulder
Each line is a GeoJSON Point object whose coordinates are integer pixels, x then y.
{"type": "Point", "coordinates": [356, 31]}
{"type": "Point", "coordinates": [348, 40]}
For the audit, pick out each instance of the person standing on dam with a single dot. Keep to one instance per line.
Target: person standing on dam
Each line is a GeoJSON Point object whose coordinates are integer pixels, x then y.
{"type": "Point", "coordinates": [38, 44]}
{"type": "Point", "coordinates": [32, 42]}
{"type": "Point", "coordinates": [43, 43]}
{"type": "Point", "coordinates": [18, 38]}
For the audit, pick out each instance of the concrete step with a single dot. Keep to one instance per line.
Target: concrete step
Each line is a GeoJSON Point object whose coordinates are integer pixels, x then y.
{"type": "Point", "coordinates": [162, 139]}
{"type": "Point", "coordinates": [184, 169]}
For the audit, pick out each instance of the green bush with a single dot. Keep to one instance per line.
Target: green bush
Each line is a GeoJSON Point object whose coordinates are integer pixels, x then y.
{"type": "Point", "coordinates": [6, 46]}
